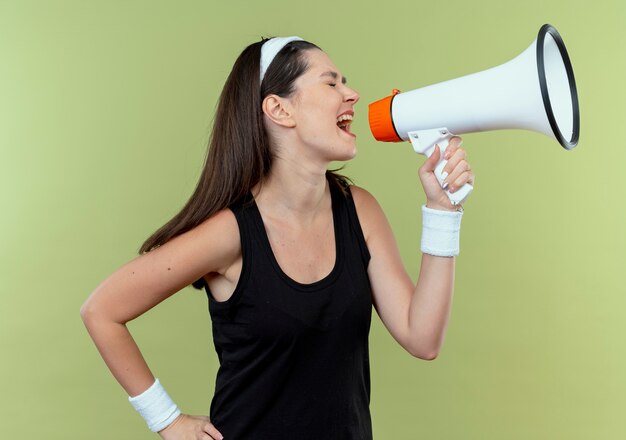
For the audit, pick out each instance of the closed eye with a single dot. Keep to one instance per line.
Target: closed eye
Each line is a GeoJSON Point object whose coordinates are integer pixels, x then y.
{"type": "Point", "coordinates": [332, 85]}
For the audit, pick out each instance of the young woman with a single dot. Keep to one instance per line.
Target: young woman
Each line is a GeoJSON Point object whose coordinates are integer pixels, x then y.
{"type": "Point", "coordinates": [292, 258]}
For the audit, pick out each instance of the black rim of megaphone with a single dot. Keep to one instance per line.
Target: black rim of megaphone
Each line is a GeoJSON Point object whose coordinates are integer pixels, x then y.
{"type": "Point", "coordinates": [547, 28]}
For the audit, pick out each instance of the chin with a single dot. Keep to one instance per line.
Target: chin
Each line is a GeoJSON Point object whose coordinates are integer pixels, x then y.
{"type": "Point", "coordinates": [352, 154]}
{"type": "Point", "coordinates": [345, 154]}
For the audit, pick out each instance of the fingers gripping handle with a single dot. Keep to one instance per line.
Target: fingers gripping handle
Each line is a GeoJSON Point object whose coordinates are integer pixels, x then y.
{"type": "Point", "coordinates": [460, 194]}
{"type": "Point", "coordinates": [424, 143]}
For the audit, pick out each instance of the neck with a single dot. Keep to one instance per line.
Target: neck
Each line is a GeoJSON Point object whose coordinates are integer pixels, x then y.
{"type": "Point", "coordinates": [293, 189]}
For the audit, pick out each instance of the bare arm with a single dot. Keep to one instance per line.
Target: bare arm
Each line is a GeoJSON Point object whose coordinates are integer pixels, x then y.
{"type": "Point", "coordinates": [146, 281]}
{"type": "Point", "coordinates": [415, 315]}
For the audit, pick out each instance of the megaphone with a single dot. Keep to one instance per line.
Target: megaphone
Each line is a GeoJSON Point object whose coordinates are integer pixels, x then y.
{"type": "Point", "coordinates": [534, 91]}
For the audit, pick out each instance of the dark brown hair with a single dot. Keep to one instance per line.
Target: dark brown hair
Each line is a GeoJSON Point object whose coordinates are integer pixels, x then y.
{"type": "Point", "coordinates": [239, 154]}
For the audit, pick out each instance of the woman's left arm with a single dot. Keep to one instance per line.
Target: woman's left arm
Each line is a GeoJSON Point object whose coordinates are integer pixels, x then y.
{"type": "Point", "coordinates": [415, 315]}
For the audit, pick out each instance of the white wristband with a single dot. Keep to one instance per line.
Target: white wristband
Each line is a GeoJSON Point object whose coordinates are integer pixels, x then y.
{"type": "Point", "coordinates": [440, 232]}
{"type": "Point", "coordinates": [155, 406]}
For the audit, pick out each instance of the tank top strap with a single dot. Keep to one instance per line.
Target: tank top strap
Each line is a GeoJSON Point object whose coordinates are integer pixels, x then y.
{"type": "Point", "coordinates": [247, 233]}
{"type": "Point", "coordinates": [239, 209]}
{"type": "Point", "coordinates": [246, 237]}
{"type": "Point", "coordinates": [355, 227]}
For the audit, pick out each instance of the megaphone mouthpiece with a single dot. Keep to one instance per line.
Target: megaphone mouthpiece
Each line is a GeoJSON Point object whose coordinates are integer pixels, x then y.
{"type": "Point", "coordinates": [380, 120]}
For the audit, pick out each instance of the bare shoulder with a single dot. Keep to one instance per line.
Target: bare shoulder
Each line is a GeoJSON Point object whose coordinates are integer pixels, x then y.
{"type": "Point", "coordinates": [222, 222]}
{"type": "Point", "coordinates": [361, 195]}
{"type": "Point", "coordinates": [219, 237]}
{"type": "Point", "coordinates": [368, 209]}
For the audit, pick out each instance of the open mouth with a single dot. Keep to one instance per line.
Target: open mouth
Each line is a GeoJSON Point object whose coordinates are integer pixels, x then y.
{"type": "Point", "coordinates": [344, 122]}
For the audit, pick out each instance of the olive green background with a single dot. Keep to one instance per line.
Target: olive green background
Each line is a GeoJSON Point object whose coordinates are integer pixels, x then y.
{"type": "Point", "coordinates": [105, 112]}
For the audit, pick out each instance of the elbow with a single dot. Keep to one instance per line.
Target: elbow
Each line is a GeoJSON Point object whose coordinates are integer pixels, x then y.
{"type": "Point", "coordinates": [88, 312]}
{"type": "Point", "coordinates": [421, 353]}
{"type": "Point", "coordinates": [95, 313]}
{"type": "Point", "coordinates": [429, 356]}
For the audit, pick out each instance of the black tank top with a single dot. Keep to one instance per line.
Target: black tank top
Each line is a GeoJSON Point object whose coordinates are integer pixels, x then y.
{"type": "Point", "coordinates": [294, 358]}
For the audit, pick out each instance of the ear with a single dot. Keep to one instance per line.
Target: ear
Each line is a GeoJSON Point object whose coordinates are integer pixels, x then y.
{"type": "Point", "coordinates": [278, 110]}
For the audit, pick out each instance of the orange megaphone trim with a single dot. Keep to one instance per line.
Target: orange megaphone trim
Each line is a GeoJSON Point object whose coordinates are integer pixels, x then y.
{"type": "Point", "coordinates": [381, 122]}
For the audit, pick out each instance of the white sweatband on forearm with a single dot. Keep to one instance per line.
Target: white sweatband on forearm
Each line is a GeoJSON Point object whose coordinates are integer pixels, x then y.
{"type": "Point", "coordinates": [440, 232]}
{"type": "Point", "coordinates": [155, 406]}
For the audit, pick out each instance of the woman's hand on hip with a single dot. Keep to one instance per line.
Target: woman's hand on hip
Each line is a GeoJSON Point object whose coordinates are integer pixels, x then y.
{"type": "Point", "coordinates": [186, 427]}
{"type": "Point", "coordinates": [459, 173]}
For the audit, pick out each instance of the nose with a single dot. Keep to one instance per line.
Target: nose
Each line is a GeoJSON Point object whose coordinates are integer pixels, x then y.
{"type": "Point", "coordinates": [352, 95]}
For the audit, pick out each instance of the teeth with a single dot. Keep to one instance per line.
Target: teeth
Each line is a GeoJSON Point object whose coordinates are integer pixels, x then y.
{"type": "Point", "coordinates": [344, 118]}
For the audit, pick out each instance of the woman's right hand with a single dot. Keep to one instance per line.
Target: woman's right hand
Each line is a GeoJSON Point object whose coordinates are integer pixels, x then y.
{"type": "Point", "coordinates": [186, 427]}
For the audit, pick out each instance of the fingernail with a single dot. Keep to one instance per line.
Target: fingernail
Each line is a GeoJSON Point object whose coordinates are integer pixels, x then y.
{"type": "Point", "coordinates": [444, 175]}
{"type": "Point", "coordinates": [445, 185]}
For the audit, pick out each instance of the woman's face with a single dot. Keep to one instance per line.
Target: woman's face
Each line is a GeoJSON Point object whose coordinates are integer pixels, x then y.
{"type": "Point", "coordinates": [321, 97]}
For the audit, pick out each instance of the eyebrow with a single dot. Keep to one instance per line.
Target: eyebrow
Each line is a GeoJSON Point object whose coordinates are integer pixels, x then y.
{"type": "Point", "coordinates": [334, 75]}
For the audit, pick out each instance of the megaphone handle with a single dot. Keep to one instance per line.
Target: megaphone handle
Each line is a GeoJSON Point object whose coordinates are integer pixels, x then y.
{"type": "Point", "coordinates": [424, 143]}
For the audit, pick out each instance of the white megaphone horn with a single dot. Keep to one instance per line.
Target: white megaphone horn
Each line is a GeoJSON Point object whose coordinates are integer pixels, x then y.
{"type": "Point", "coordinates": [534, 91]}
